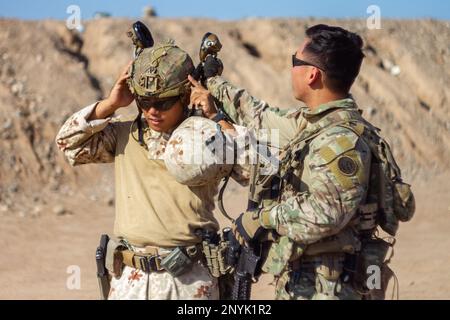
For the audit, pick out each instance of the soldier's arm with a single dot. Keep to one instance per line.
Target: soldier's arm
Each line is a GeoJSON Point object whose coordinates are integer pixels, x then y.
{"type": "Point", "coordinates": [87, 141]}
{"type": "Point", "coordinates": [249, 111]}
{"type": "Point", "coordinates": [339, 170]}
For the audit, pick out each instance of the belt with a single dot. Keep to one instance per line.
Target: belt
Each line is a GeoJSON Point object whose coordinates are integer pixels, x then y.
{"type": "Point", "coordinates": [151, 261]}
{"type": "Point", "coordinates": [310, 263]}
{"type": "Point", "coordinates": [142, 261]}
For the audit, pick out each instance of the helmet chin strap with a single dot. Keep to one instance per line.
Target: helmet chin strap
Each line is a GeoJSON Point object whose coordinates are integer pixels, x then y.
{"type": "Point", "coordinates": [139, 125]}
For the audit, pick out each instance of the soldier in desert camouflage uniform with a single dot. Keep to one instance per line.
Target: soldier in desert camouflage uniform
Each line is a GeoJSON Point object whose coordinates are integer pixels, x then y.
{"type": "Point", "coordinates": [324, 167]}
{"type": "Point", "coordinates": [154, 213]}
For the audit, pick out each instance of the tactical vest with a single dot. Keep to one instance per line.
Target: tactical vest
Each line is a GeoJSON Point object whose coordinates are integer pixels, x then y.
{"type": "Point", "coordinates": [388, 201]}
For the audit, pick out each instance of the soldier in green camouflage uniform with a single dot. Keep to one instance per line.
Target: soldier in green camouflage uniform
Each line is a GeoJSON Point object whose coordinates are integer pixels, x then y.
{"type": "Point", "coordinates": [155, 214]}
{"type": "Point", "coordinates": [324, 168]}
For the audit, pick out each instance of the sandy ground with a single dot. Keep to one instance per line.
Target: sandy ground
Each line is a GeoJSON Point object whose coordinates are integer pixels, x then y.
{"type": "Point", "coordinates": [38, 252]}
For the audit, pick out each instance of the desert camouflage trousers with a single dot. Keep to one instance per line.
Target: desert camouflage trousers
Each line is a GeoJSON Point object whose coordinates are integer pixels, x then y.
{"type": "Point", "coordinates": [135, 284]}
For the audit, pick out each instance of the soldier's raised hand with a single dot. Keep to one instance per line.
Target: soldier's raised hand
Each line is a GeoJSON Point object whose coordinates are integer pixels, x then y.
{"type": "Point", "coordinates": [120, 95]}
{"type": "Point", "coordinates": [202, 98]}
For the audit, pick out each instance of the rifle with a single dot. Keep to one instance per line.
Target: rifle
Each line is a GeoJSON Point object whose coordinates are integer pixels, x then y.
{"type": "Point", "coordinates": [246, 262]}
{"type": "Point", "coordinates": [102, 272]}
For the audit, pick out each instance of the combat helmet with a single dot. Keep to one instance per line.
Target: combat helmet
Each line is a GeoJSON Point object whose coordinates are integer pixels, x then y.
{"type": "Point", "coordinates": [159, 73]}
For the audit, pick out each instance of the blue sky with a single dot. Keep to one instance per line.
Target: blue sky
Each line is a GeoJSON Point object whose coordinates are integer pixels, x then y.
{"type": "Point", "coordinates": [228, 9]}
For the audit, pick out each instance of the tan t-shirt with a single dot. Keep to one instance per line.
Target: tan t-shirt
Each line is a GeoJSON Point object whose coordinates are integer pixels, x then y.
{"type": "Point", "coordinates": [151, 207]}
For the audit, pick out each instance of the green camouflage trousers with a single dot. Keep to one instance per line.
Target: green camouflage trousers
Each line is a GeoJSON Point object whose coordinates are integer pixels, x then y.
{"type": "Point", "coordinates": [302, 286]}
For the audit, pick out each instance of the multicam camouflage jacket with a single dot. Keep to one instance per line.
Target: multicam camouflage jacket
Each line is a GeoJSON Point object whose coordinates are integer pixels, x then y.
{"type": "Point", "coordinates": [324, 181]}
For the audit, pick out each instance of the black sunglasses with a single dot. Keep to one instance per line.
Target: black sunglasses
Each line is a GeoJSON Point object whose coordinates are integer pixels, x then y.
{"type": "Point", "coordinates": [158, 104]}
{"type": "Point", "coordinates": [296, 62]}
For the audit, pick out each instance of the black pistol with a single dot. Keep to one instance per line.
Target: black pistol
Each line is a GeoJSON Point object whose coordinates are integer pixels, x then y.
{"type": "Point", "coordinates": [102, 272]}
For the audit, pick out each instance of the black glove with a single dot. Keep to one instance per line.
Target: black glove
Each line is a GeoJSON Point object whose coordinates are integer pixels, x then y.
{"type": "Point", "coordinates": [212, 67]}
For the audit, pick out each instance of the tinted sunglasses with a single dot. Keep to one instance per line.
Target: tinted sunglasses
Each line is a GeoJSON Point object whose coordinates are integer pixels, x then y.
{"type": "Point", "coordinates": [296, 62]}
{"type": "Point", "coordinates": [158, 104]}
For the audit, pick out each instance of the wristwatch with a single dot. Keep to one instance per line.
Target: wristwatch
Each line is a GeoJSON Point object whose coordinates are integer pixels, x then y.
{"type": "Point", "coordinates": [219, 116]}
